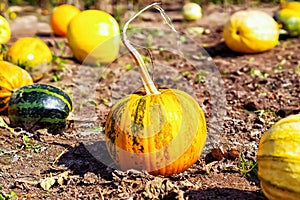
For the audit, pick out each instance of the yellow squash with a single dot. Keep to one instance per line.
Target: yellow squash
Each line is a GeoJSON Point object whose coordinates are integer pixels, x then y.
{"type": "Point", "coordinates": [251, 31]}
{"type": "Point", "coordinates": [32, 54]}
{"type": "Point", "coordinates": [94, 36]}
{"type": "Point", "coordinates": [291, 5]}
{"type": "Point", "coordinates": [5, 31]}
{"type": "Point", "coordinates": [11, 77]}
{"type": "Point", "coordinates": [5, 34]}
{"type": "Point", "coordinates": [278, 160]}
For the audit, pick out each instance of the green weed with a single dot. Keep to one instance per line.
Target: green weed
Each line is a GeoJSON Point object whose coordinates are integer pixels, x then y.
{"type": "Point", "coordinates": [59, 62]}
{"type": "Point", "coordinates": [248, 168]}
{"type": "Point", "coordinates": [258, 73]}
{"type": "Point", "coordinates": [280, 67]}
{"type": "Point", "coordinates": [201, 76]}
{"type": "Point", "coordinates": [149, 41]}
{"type": "Point", "coordinates": [128, 67]}
{"type": "Point", "coordinates": [185, 73]}
{"type": "Point", "coordinates": [30, 144]}
{"type": "Point", "coordinates": [9, 196]}
{"type": "Point", "coordinates": [266, 114]}
{"type": "Point", "coordinates": [55, 77]}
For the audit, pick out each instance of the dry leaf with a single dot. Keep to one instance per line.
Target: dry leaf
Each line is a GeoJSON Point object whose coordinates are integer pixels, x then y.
{"type": "Point", "coordinates": [61, 177]}
{"type": "Point", "coordinates": [47, 183]}
{"type": "Point", "coordinates": [3, 124]}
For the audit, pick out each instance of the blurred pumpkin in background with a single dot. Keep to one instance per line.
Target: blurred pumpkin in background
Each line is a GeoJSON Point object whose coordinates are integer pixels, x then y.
{"type": "Point", "coordinates": [60, 18]}
{"type": "Point", "coordinates": [289, 17]}
{"type": "Point", "coordinates": [94, 36]}
{"type": "Point", "coordinates": [192, 11]}
{"type": "Point", "coordinates": [5, 31]}
{"type": "Point", "coordinates": [32, 54]}
{"type": "Point", "coordinates": [251, 31]}
{"type": "Point", "coordinates": [291, 5]}
{"type": "Point", "coordinates": [5, 34]}
{"type": "Point", "coordinates": [278, 159]}
{"type": "Point", "coordinates": [289, 21]}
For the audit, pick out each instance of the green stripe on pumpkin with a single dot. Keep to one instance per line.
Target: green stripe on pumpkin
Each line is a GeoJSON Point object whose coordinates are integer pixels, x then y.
{"type": "Point", "coordinates": [44, 119]}
{"type": "Point", "coordinates": [48, 90]}
{"type": "Point", "coordinates": [39, 106]}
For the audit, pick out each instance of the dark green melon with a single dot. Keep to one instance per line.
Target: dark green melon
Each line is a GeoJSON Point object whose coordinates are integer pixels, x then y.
{"type": "Point", "coordinates": [39, 106]}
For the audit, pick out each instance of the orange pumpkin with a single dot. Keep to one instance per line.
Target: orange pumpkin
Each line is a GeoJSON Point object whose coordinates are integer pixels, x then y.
{"type": "Point", "coordinates": [162, 131]}
{"type": "Point", "coordinates": [61, 17]}
{"type": "Point", "coordinates": [11, 77]}
{"type": "Point", "coordinates": [163, 134]}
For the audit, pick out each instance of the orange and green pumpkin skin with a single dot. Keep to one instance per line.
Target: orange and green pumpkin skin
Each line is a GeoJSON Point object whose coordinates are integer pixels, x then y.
{"type": "Point", "coordinates": [162, 134]}
{"type": "Point", "coordinates": [11, 77]}
{"type": "Point", "coordinates": [278, 160]}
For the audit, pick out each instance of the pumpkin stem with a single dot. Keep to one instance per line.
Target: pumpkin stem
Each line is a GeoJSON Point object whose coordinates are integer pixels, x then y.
{"type": "Point", "coordinates": [146, 79]}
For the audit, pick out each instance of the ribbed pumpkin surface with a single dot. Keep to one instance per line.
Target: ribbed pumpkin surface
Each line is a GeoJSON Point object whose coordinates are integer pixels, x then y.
{"type": "Point", "coordinates": [161, 133]}
{"type": "Point", "coordinates": [11, 77]}
{"type": "Point", "coordinates": [39, 106]}
{"type": "Point", "coordinates": [279, 159]}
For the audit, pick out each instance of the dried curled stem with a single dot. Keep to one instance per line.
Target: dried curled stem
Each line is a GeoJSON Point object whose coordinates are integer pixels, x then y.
{"type": "Point", "coordinates": [147, 81]}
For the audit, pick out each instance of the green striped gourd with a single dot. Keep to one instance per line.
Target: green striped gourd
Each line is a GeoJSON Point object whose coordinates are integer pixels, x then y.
{"type": "Point", "coordinates": [38, 106]}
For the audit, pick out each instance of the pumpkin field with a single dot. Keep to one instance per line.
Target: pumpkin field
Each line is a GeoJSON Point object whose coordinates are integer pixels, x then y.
{"type": "Point", "coordinates": [149, 100]}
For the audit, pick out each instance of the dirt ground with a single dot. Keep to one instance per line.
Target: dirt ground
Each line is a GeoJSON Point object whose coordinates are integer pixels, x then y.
{"type": "Point", "coordinates": [242, 95]}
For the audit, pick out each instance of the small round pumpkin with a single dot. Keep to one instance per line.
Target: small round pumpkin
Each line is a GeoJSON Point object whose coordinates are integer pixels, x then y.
{"type": "Point", "coordinates": [61, 17]}
{"type": "Point", "coordinates": [163, 134]}
{"type": "Point", "coordinates": [32, 54]}
{"type": "Point", "coordinates": [251, 31]}
{"type": "Point", "coordinates": [11, 77]}
{"type": "Point", "coordinates": [278, 159]}
{"type": "Point", "coordinates": [94, 36]}
{"type": "Point", "coordinates": [162, 131]}
{"type": "Point", "coordinates": [192, 11]}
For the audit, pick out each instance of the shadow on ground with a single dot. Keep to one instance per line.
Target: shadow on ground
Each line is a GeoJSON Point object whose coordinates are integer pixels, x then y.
{"type": "Point", "coordinates": [221, 50]}
{"type": "Point", "coordinates": [224, 193]}
{"type": "Point", "coordinates": [80, 161]}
